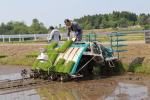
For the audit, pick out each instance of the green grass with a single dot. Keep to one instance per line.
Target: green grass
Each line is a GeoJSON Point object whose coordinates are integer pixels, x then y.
{"type": "Point", "coordinates": [147, 71]}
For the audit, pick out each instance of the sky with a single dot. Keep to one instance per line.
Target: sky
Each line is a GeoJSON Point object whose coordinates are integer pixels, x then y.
{"type": "Point", "coordinates": [53, 12]}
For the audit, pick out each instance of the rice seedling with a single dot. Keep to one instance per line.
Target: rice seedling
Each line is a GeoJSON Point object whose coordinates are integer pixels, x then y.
{"type": "Point", "coordinates": [32, 55]}
{"type": "Point", "coordinates": [2, 56]}
{"type": "Point", "coordinates": [65, 46]}
{"type": "Point", "coordinates": [68, 67]}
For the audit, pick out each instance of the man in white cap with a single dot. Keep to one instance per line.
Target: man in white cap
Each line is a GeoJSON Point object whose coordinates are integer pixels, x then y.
{"type": "Point", "coordinates": [74, 26]}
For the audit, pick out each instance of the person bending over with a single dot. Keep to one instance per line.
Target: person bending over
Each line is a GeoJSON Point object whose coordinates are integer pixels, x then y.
{"type": "Point", "coordinates": [74, 26]}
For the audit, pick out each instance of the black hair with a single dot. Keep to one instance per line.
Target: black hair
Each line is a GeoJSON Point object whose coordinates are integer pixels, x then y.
{"type": "Point", "coordinates": [51, 27]}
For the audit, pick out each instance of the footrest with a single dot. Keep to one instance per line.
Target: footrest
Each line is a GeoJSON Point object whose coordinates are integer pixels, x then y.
{"type": "Point", "coordinates": [110, 58]}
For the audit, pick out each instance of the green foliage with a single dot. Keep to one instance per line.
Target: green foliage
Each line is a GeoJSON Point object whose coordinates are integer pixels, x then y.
{"type": "Point", "coordinates": [32, 55]}
{"type": "Point", "coordinates": [104, 23]}
{"type": "Point", "coordinates": [13, 28]}
{"type": "Point", "coordinates": [147, 71]}
{"type": "Point", "coordinates": [2, 56]}
{"type": "Point", "coordinates": [65, 46]}
{"type": "Point", "coordinates": [96, 21]}
{"type": "Point", "coordinates": [118, 66]}
{"type": "Point", "coordinates": [68, 67]}
{"type": "Point", "coordinates": [146, 27]}
{"type": "Point", "coordinates": [131, 68]}
{"type": "Point", "coordinates": [112, 20]}
{"type": "Point", "coordinates": [137, 68]}
{"type": "Point", "coordinates": [140, 69]}
{"type": "Point", "coordinates": [88, 27]}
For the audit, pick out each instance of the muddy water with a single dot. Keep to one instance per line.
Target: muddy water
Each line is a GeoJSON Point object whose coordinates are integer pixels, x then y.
{"type": "Point", "coordinates": [119, 87]}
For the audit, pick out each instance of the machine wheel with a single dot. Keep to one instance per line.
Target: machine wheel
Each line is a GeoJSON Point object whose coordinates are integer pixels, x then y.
{"type": "Point", "coordinates": [88, 69]}
{"type": "Point", "coordinates": [36, 75]}
{"type": "Point", "coordinates": [106, 69]}
{"type": "Point", "coordinates": [53, 77]}
{"type": "Point", "coordinates": [64, 78]}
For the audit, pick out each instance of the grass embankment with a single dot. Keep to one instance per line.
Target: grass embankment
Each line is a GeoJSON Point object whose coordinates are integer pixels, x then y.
{"type": "Point", "coordinates": [111, 30]}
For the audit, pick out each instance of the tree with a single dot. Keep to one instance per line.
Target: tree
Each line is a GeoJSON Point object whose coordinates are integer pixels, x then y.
{"type": "Point", "coordinates": [104, 23]}
{"type": "Point", "coordinates": [37, 28]}
{"type": "Point", "coordinates": [88, 27]}
{"type": "Point", "coordinates": [148, 20]}
{"type": "Point", "coordinates": [142, 19]}
{"type": "Point", "coordinates": [112, 24]}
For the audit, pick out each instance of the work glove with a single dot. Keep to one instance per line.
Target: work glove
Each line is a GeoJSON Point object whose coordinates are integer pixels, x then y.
{"type": "Point", "coordinates": [75, 34]}
{"type": "Point", "coordinates": [48, 41]}
{"type": "Point", "coordinates": [68, 38]}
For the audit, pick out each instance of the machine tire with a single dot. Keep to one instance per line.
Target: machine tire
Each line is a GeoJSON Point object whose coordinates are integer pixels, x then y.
{"type": "Point", "coordinates": [88, 69]}
{"type": "Point", "coordinates": [106, 69]}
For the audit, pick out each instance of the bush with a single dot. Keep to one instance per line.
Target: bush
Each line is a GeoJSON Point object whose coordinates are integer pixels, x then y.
{"type": "Point", "coordinates": [147, 71]}
{"type": "Point", "coordinates": [146, 27]}
{"type": "Point", "coordinates": [140, 69]}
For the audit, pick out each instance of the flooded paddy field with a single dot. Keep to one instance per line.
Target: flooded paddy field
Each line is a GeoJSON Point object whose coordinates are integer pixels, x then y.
{"type": "Point", "coordinates": [127, 86]}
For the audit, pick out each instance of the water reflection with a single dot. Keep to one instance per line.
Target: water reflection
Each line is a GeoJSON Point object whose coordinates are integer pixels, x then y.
{"type": "Point", "coordinates": [102, 89]}
{"type": "Point", "coordinates": [13, 76]}
{"type": "Point", "coordinates": [129, 92]}
{"type": "Point", "coordinates": [25, 95]}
